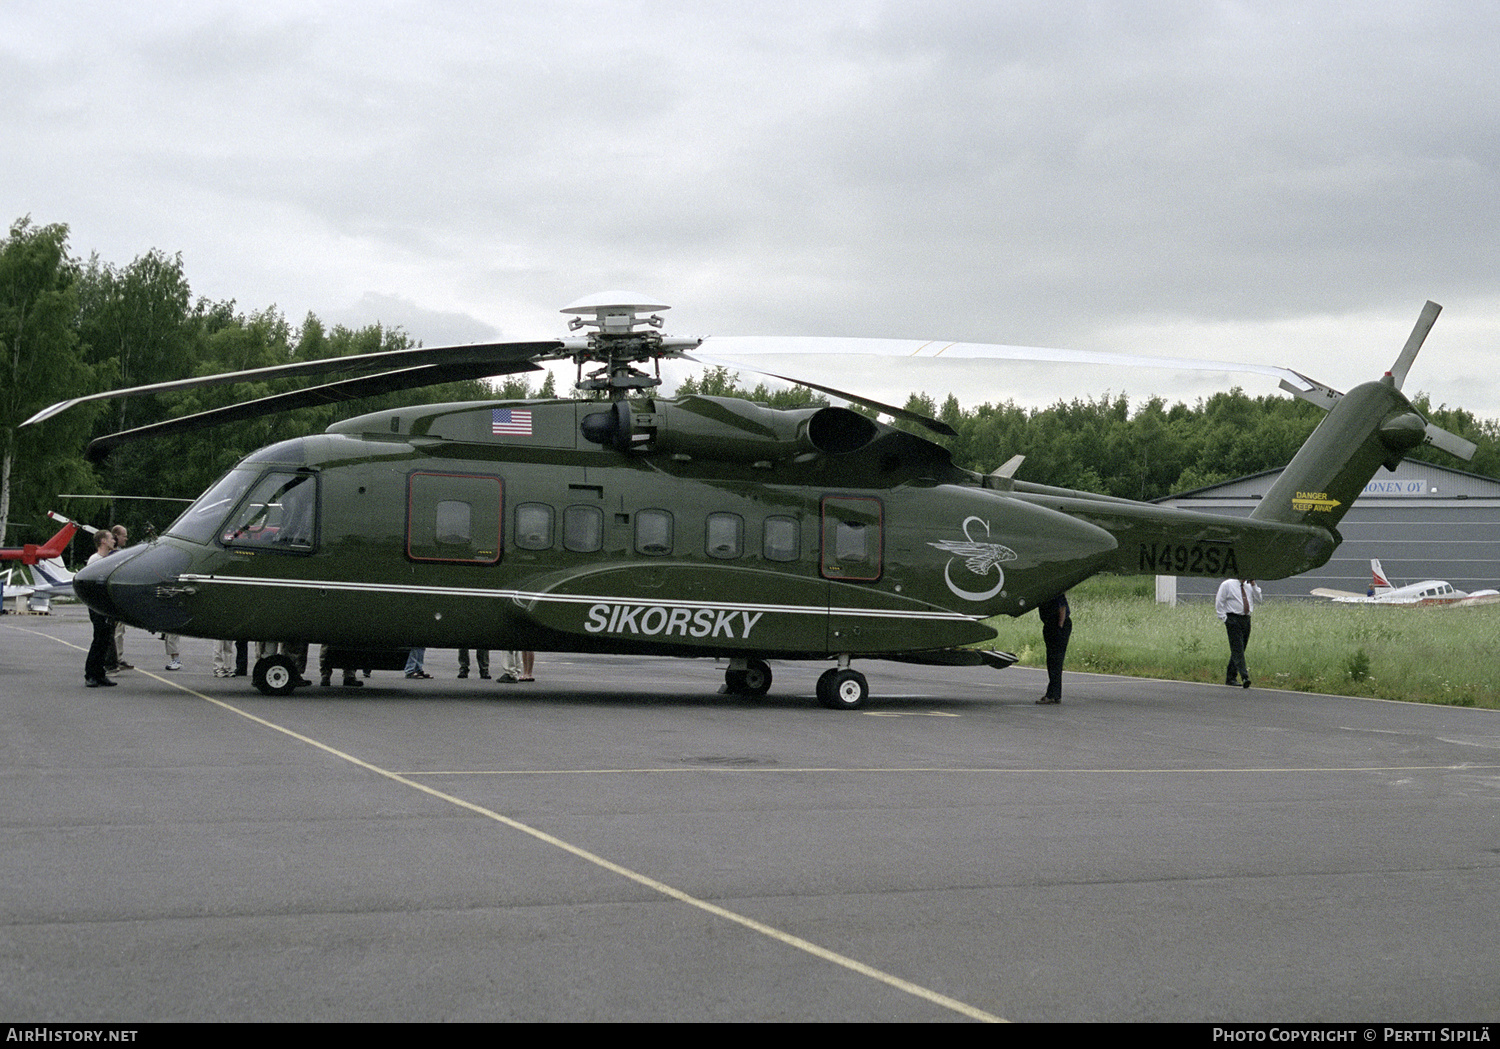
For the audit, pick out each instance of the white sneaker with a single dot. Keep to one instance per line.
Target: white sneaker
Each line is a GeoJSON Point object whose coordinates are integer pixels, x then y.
{"type": "Point", "coordinates": [174, 665]}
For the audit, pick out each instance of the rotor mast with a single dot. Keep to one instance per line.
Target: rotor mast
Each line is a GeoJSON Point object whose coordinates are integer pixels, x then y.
{"type": "Point", "coordinates": [625, 332]}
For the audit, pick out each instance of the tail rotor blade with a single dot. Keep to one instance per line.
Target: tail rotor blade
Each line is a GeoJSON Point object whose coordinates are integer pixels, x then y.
{"type": "Point", "coordinates": [1451, 443]}
{"type": "Point", "coordinates": [1414, 343]}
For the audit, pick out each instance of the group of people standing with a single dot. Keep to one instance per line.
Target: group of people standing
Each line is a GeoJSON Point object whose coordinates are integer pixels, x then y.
{"type": "Point", "coordinates": [515, 665]}
{"type": "Point", "coordinates": [107, 646]}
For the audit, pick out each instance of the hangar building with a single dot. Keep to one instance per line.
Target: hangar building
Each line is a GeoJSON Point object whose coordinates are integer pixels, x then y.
{"type": "Point", "coordinates": [1422, 521]}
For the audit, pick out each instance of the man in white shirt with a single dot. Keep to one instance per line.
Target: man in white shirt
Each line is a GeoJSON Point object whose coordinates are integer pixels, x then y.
{"type": "Point", "coordinates": [1234, 604]}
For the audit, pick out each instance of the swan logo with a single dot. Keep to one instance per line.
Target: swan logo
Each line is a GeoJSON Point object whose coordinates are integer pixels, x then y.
{"type": "Point", "coordinates": [979, 557]}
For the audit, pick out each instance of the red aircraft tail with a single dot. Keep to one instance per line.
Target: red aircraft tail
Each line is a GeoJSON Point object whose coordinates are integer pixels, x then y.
{"type": "Point", "coordinates": [31, 553]}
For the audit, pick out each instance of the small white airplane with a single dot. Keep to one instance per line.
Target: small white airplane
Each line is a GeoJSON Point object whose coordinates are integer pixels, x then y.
{"type": "Point", "coordinates": [49, 576]}
{"type": "Point", "coordinates": [1427, 592]}
{"type": "Point", "coordinates": [49, 579]}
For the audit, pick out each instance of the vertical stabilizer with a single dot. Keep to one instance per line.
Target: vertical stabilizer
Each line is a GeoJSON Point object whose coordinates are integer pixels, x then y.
{"type": "Point", "coordinates": [1372, 426]}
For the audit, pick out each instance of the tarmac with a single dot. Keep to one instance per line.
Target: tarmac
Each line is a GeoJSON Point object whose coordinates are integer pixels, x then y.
{"type": "Point", "coordinates": [618, 842]}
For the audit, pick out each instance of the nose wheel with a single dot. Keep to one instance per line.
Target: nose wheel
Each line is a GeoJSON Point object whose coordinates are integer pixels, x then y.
{"type": "Point", "coordinates": [275, 675]}
{"type": "Point", "coordinates": [843, 689]}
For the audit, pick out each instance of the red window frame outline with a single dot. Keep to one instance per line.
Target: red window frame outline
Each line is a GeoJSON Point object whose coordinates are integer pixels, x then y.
{"type": "Point", "coordinates": [878, 560]}
{"type": "Point", "coordinates": [499, 517]}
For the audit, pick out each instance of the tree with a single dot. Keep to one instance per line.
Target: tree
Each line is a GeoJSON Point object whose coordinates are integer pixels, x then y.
{"type": "Point", "coordinates": [141, 318]}
{"type": "Point", "coordinates": [39, 365]}
{"type": "Point", "coordinates": [719, 381]}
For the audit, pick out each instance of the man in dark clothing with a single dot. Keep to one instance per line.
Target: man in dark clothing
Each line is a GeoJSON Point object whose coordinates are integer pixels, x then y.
{"type": "Point", "coordinates": [1057, 627]}
{"type": "Point", "coordinates": [104, 627]}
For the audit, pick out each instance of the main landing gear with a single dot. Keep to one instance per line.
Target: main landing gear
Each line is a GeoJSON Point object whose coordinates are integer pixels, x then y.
{"type": "Point", "coordinates": [838, 689]}
{"type": "Point", "coordinates": [748, 677]}
{"type": "Point", "coordinates": [843, 689]}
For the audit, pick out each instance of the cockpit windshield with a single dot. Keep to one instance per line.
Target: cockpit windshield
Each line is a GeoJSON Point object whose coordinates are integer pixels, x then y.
{"type": "Point", "coordinates": [274, 510]}
{"type": "Point", "coordinates": [200, 522]}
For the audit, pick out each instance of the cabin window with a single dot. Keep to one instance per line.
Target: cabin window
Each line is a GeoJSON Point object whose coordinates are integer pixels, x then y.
{"type": "Point", "coordinates": [724, 535]}
{"type": "Point", "coordinates": [583, 529]}
{"type": "Point", "coordinates": [454, 522]}
{"type": "Point", "coordinates": [453, 517]}
{"type": "Point", "coordinates": [653, 532]}
{"type": "Point", "coordinates": [280, 513]}
{"type": "Point", "coordinates": [534, 526]}
{"type": "Point", "coordinates": [851, 538]}
{"type": "Point", "coordinates": [782, 540]}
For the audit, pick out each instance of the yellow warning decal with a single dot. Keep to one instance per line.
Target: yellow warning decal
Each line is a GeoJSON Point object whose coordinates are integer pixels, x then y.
{"type": "Point", "coordinates": [1313, 501]}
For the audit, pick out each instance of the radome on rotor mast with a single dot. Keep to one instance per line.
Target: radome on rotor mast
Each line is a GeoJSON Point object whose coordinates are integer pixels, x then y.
{"type": "Point", "coordinates": [689, 526]}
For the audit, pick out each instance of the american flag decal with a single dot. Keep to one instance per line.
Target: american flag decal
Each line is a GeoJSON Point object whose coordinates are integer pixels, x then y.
{"type": "Point", "coordinates": [512, 422]}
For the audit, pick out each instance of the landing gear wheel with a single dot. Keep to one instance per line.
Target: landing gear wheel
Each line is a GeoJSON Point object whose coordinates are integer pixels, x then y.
{"type": "Point", "coordinates": [754, 680]}
{"type": "Point", "coordinates": [843, 689]}
{"type": "Point", "coordinates": [276, 675]}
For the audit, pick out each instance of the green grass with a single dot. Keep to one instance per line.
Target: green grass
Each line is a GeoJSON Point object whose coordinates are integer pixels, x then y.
{"type": "Point", "coordinates": [1427, 655]}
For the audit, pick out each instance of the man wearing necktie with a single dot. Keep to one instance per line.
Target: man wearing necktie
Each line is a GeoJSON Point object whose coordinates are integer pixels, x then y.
{"type": "Point", "coordinates": [1234, 604]}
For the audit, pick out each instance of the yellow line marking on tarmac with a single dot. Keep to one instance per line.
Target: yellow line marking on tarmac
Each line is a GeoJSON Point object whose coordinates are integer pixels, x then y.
{"type": "Point", "coordinates": [807, 946]}
{"type": "Point", "coordinates": [84, 648]}
{"type": "Point", "coordinates": [49, 637]}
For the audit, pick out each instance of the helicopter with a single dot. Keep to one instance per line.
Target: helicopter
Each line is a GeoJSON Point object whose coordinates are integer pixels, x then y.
{"type": "Point", "coordinates": [694, 526]}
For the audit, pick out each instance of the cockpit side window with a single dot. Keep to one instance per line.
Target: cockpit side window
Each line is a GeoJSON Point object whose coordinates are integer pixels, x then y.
{"type": "Point", "coordinates": [280, 513]}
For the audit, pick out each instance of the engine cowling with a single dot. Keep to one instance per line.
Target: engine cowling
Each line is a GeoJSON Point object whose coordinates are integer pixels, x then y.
{"type": "Point", "coordinates": [726, 428]}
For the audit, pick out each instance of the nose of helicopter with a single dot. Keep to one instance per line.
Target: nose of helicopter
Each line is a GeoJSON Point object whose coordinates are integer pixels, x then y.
{"type": "Point", "coordinates": [137, 585]}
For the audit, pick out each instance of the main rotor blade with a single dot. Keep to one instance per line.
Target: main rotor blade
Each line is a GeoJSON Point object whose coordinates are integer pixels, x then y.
{"type": "Point", "coordinates": [329, 393]}
{"type": "Point", "coordinates": [1414, 342]}
{"type": "Point", "coordinates": [744, 346]}
{"type": "Point", "coordinates": [935, 425]}
{"type": "Point", "coordinates": [497, 354]}
{"type": "Point", "coordinates": [737, 346]}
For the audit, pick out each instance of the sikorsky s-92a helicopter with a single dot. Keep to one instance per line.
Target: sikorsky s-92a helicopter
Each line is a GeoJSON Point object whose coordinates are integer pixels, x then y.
{"type": "Point", "coordinates": [689, 526]}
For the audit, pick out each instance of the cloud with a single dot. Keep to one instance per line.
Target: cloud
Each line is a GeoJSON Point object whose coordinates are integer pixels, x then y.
{"type": "Point", "coordinates": [1252, 178]}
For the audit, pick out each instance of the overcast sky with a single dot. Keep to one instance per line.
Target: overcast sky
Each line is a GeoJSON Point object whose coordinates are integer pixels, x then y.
{"type": "Point", "coordinates": [1284, 183]}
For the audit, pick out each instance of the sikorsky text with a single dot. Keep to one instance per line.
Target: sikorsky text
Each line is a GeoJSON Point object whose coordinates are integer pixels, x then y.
{"type": "Point", "coordinates": [667, 620]}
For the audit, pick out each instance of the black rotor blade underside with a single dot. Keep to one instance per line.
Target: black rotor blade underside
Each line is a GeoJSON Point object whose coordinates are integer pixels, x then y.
{"type": "Point", "coordinates": [328, 393]}
{"type": "Point", "coordinates": [499, 354]}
